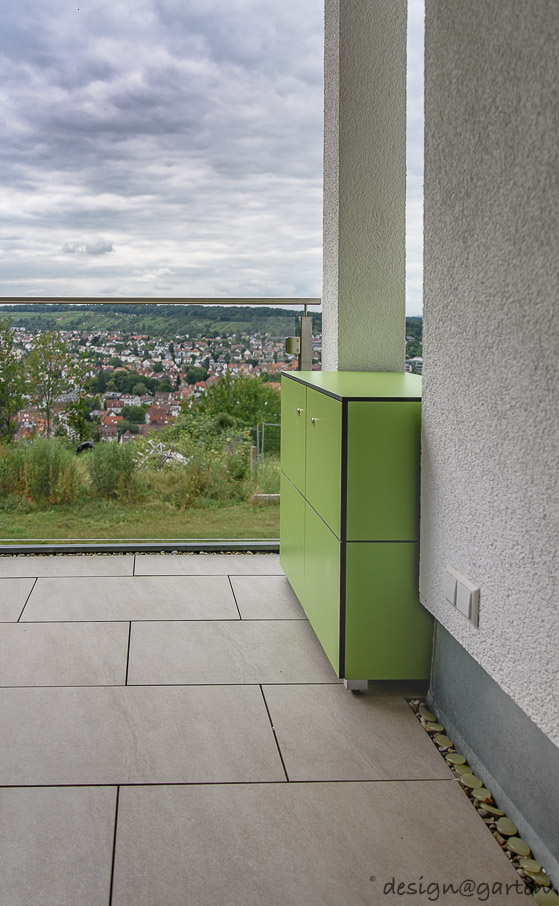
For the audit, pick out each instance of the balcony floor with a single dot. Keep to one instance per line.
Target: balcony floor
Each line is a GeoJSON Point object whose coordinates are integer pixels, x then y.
{"type": "Point", "coordinates": [173, 734]}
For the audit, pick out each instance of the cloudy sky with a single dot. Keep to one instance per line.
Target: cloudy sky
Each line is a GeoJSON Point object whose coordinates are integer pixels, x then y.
{"type": "Point", "coordinates": [171, 148]}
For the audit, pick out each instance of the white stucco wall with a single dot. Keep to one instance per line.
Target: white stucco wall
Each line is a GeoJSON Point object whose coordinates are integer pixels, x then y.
{"type": "Point", "coordinates": [491, 337]}
{"type": "Point", "coordinates": [364, 185]}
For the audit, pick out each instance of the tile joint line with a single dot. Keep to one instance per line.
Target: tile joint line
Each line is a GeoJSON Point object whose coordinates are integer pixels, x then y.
{"type": "Point", "coordinates": [274, 732]}
{"type": "Point", "coordinates": [114, 847]}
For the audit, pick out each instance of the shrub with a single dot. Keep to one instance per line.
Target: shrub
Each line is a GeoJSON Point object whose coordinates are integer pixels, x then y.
{"type": "Point", "coordinates": [48, 472]}
{"type": "Point", "coordinates": [11, 461]}
{"type": "Point", "coordinates": [268, 476]}
{"type": "Point", "coordinates": [112, 469]}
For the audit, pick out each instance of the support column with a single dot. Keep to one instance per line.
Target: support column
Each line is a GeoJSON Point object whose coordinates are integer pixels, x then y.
{"type": "Point", "coordinates": [364, 185]}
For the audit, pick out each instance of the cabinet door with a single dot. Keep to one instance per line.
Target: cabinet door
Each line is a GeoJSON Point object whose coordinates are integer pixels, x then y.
{"type": "Point", "coordinates": [321, 600]}
{"type": "Point", "coordinates": [383, 471]}
{"type": "Point", "coordinates": [293, 416]}
{"type": "Point", "coordinates": [324, 453]}
{"type": "Point", "coordinates": [388, 633]}
{"type": "Point", "coordinates": [292, 536]}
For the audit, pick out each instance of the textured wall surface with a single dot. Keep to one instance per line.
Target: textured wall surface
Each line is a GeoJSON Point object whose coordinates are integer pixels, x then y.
{"type": "Point", "coordinates": [364, 185]}
{"type": "Point", "coordinates": [490, 412]}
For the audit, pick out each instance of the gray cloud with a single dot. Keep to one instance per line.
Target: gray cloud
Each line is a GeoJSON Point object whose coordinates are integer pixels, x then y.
{"type": "Point", "coordinates": [191, 133]}
{"type": "Point", "coordinates": [101, 247]}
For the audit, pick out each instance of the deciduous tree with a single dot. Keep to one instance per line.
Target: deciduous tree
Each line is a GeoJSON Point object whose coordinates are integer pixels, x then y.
{"type": "Point", "coordinates": [12, 382]}
{"type": "Point", "coordinates": [52, 370]}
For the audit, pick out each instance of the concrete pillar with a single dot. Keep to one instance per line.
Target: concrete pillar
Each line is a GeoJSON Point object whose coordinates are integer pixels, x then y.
{"type": "Point", "coordinates": [364, 185]}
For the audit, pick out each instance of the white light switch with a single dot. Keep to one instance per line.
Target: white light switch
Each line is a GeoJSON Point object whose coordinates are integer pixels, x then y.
{"type": "Point", "coordinates": [464, 600]}
{"type": "Point", "coordinates": [458, 590]}
{"type": "Point", "coordinates": [449, 587]}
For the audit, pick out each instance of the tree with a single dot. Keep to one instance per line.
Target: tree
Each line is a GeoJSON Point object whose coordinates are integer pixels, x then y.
{"type": "Point", "coordinates": [139, 389]}
{"type": "Point", "coordinates": [247, 399]}
{"type": "Point", "coordinates": [78, 419]}
{"type": "Point", "coordinates": [195, 374]}
{"type": "Point", "coordinates": [12, 382]}
{"type": "Point", "coordinates": [164, 385]}
{"type": "Point", "coordinates": [158, 367]}
{"type": "Point", "coordinates": [136, 414]}
{"type": "Point", "coordinates": [52, 370]}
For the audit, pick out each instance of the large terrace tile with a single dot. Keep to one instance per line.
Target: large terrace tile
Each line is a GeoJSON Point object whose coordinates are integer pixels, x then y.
{"type": "Point", "coordinates": [119, 735]}
{"type": "Point", "coordinates": [60, 565]}
{"type": "Point", "coordinates": [56, 846]}
{"type": "Point", "coordinates": [208, 565]}
{"type": "Point", "coordinates": [246, 651]}
{"type": "Point", "coordinates": [13, 595]}
{"type": "Point", "coordinates": [133, 598]}
{"type": "Point", "coordinates": [326, 733]}
{"type": "Point", "coordinates": [63, 654]}
{"type": "Point", "coordinates": [301, 844]}
{"type": "Point", "coordinates": [266, 598]}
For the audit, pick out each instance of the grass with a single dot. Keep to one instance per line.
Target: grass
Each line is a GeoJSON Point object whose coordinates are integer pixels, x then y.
{"type": "Point", "coordinates": [113, 520]}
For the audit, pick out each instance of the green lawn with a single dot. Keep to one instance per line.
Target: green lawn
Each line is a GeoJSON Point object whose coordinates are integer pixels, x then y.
{"type": "Point", "coordinates": [114, 521]}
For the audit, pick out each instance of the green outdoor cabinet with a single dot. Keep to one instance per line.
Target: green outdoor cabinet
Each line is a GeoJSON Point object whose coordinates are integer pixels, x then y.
{"type": "Point", "coordinates": [349, 518]}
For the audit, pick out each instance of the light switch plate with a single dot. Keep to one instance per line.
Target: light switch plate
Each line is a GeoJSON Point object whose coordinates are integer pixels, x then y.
{"type": "Point", "coordinates": [466, 594]}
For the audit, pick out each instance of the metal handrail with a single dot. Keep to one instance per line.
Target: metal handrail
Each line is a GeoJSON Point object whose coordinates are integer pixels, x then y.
{"type": "Point", "coordinates": [157, 300]}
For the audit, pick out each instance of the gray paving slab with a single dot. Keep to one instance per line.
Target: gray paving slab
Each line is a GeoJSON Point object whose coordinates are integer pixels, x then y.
{"type": "Point", "coordinates": [118, 735]}
{"type": "Point", "coordinates": [208, 565]}
{"type": "Point", "coordinates": [266, 598]}
{"type": "Point", "coordinates": [304, 845]}
{"type": "Point", "coordinates": [63, 654]}
{"type": "Point", "coordinates": [132, 598]}
{"type": "Point", "coordinates": [56, 846]}
{"type": "Point", "coordinates": [66, 565]}
{"type": "Point", "coordinates": [326, 733]}
{"type": "Point", "coordinates": [246, 651]}
{"type": "Point", "coordinates": [13, 595]}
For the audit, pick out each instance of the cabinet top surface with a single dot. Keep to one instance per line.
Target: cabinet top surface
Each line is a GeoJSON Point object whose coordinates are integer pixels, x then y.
{"type": "Point", "coordinates": [360, 384]}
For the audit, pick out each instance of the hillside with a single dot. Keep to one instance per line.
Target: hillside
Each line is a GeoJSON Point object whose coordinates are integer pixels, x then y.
{"type": "Point", "coordinates": [163, 321]}
{"type": "Point", "coordinates": [168, 321]}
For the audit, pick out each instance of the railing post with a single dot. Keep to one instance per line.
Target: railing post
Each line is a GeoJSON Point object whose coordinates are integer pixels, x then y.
{"type": "Point", "coordinates": [305, 349]}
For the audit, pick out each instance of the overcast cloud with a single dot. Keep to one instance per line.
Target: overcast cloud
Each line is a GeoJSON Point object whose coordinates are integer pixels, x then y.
{"type": "Point", "coordinates": [164, 147]}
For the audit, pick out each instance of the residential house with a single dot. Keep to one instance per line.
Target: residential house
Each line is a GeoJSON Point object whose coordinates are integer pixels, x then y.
{"type": "Point", "coordinates": [159, 415]}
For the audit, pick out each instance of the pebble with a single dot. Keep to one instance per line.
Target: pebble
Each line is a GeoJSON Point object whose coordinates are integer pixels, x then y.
{"type": "Point", "coordinates": [518, 846]}
{"type": "Point", "coordinates": [539, 877]}
{"type": "Point", "coordinates": [530, 865]}
{"type": "Point", "coordinates": [443, 741]}
{"type": "Point", "coordinates": [455, 758]}
{"type": "Point", "coordinates": [462, 768]}
{"type": "Point", "coordinates": [544, 897]}
{"type": "Point", "coordinates": [507, 827]}
{"type": "Point", "coordinates": [471, 781]}
{"type": "Point", "coordinates": [481, 794]}
{"type": "Point", "coordinates": [493, 810]}
{"type": "Point", "coordinates": [427, 715]}
{"type": "Point", "coordinates": [500, 840]}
